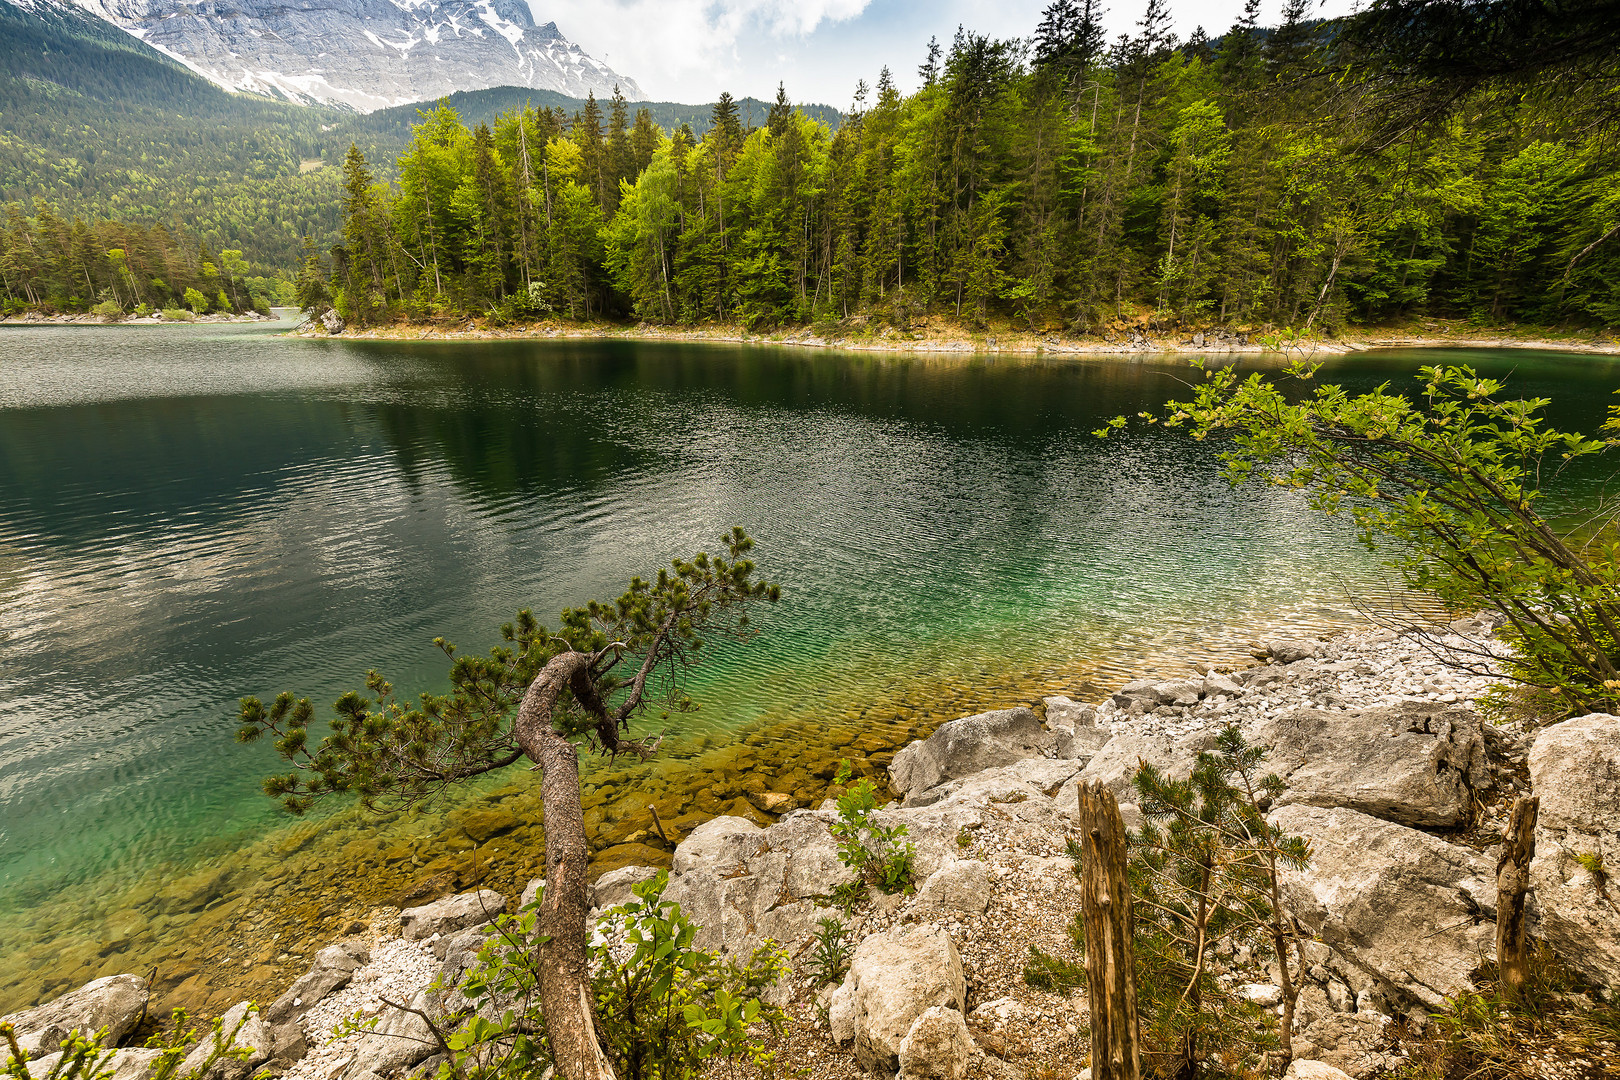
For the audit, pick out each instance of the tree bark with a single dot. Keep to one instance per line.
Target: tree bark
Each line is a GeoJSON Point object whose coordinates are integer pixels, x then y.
{"type": "Point", "coordinates": [1110, 956]}
{"type": "Point", "coordinates": [1512, 883]}
{"type": "Point", "coordinates": [562, 966]}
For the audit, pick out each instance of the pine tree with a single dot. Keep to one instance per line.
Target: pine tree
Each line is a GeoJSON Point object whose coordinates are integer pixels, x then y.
{"type": "Point", "coordinates": [313, 297]}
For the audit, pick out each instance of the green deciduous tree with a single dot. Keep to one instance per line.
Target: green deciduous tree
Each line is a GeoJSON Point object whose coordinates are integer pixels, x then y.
{"type": "Point", "coordinates": [1450, 479]}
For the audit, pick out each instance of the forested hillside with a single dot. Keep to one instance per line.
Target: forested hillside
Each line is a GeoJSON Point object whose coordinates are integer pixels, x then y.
{"type": "Point", "coordinates": [1305, 177]}
{"type": "Point", "coordinates": [389, 131]}
{"type": "Point", "coordinates": [101, 126]}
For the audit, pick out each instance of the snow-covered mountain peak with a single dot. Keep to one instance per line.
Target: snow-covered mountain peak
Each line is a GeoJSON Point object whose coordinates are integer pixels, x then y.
{"type": "Point", "coordinates": [366, 54]}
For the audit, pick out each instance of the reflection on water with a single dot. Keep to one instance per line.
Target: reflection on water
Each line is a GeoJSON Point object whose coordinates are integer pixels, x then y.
{"type": "Point", "coordinates": [189, 515]}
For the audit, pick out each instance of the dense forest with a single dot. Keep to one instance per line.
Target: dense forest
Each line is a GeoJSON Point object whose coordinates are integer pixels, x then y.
{"type": "Point", "coordinates": [112, 269]}
{"type": "Point", "coordinates": [99, 125]}
{"type": "Point", "coordinates": [1305, 176]}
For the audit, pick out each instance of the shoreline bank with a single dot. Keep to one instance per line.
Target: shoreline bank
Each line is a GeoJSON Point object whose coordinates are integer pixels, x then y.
{"type": "Point", "coordinates": [35, 318]}
{"type": "Point", "coordinates": [269, 904]}
{"type": "Point", "coordinates": [1388, 767]}
{"type": "Point", "coordinates": [952, 342]}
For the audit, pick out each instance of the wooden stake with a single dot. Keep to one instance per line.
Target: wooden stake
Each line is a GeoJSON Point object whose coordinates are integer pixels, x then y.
{"type": "Point", "coordinates": [1110, 956]}
{"type": "Point", "coordinates": [1512, 883]}
{"type": "Point", "coordinates": [659, 825]}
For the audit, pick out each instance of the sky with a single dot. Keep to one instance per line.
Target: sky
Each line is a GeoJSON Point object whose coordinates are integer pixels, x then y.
{"type": "Point", "coordinates": [690, 50]}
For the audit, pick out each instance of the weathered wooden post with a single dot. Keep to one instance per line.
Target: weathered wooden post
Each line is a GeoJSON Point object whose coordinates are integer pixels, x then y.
{"type": "Point", "coordinates": [1512, 883]}
{"type": "Point", "coordinates": [1110, 957]}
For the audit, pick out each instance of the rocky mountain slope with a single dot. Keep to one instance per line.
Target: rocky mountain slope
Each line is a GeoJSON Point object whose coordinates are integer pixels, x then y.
{"type": "Point", "coordinates": [364, 54]}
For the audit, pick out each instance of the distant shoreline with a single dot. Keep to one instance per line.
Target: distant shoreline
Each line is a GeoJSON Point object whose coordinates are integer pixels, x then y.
{"type": "Point", "coordinates": [1013, 343]}
{"type": "Point", "coordinates": [37, 319]}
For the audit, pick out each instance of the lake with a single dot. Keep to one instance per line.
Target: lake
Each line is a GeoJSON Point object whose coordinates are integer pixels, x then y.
{"type": "Point", "coordinates": [190, 514]}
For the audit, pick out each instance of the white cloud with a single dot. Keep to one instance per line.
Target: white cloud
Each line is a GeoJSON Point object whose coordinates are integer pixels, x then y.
{"type": "Point", "coordinates": [690, 50]}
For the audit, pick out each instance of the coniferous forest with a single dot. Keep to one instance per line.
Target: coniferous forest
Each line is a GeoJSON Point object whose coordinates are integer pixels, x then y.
{"type": "Point", "coordinates": [1307, 176]}
{"type": "Point", "coordinates": [1455, 160]}
{"type": "Point", "coordinates": [112, 268]}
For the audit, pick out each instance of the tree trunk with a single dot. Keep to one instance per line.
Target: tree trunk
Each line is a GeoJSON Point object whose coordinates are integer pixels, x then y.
{"type": "Point", "coordinates": [561, 959]}
{"type": "Point", "coordinates": [1512, 883]}
{"type": "Point", "coordinates": [1110, 956]}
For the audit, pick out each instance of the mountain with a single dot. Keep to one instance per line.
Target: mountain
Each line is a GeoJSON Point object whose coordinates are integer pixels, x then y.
{"type": "Point", "coordinates": [101, 125]}
{"type": "Point", "coordinates": [364, 54]}
{"type": "Point", "coordinates": [388, 130]}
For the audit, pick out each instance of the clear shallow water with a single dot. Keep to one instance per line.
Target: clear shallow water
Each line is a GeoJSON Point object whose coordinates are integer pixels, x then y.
{"type": "Point", "coordinates": [188, 515]}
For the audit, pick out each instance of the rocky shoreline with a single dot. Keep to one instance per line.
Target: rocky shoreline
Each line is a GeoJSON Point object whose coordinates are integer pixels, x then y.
{"type": "Point", "coordinates": [952, 341]}
{"type": "Point", "coordinates": [1392, 775]}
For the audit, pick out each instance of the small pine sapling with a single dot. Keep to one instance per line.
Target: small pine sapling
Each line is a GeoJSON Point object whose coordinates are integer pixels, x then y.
{"type": "Point", "coordinates": [1205, 869]}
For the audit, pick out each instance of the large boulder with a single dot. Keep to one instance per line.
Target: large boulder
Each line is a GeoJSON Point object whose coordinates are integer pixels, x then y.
{"type": "Point", "coordinates": [811, 867]}
{"type": "Point", "coordinates": [969, 745]}
{"type": "Point", "coordinates": [1575, 771]}
{"type": "Point", "coordinates": [132, 1063]}
{"type": "Point", "coordinates": [737, 913]}
{"type": "Point", "coordinates": [246, 1031]}
{"type": "Point", "coordinates": [1342, 1016]}
{"type": "Point", "coordinates": [451, 914]}
{"type": "Point", "coordinates": [1074, 726]}
{"type": "Point", "coordinates": [894, 978]}
{"type": "Point", "coordinates": [742, 885]}
{"type": "Point", "coordinates": [957, 889]}
{"type": "Point", "coordinates": [1004, 784]}
{"type": "Point", "coordinates": [1115, 766]}
{"type": "Point", "coordinates": [1305, 1069]}
{"type": "Point", "coordinates": [938, 1046]}
{"type": "Point", "coordinates": [400, 1039]}
{"type": "Point", "coordinates": [1415, 763]}
{"type": "Point", "coordinates": [334, 966]}
{"type": "Point", "coordinates": [616, 887]}
{"type": "Point", "coordinates": [721, 842]}
{"type": "Point", "coordinates": [115, 1002]}
{"type": "Point", "coordinates": [1410, 908]}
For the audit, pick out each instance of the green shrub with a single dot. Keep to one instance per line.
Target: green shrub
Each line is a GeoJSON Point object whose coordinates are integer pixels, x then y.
{"type": "Point", "coordinates": [1451, 481]}
{"type": "Point", "coordinates": [1554, 1025]}
{"type": "Point", "coordinates": [829, 957]}
{"type": "Point", "coordinates": [108, 309]}
{"type": "Point", "coordinates": [870, 848]}
{"type": "Point", "coordinates": [1045, 971]}
{"type": "Point", "coordinates": [175, 314]}
{"type": "Point", "coordinates": [196, 301]}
